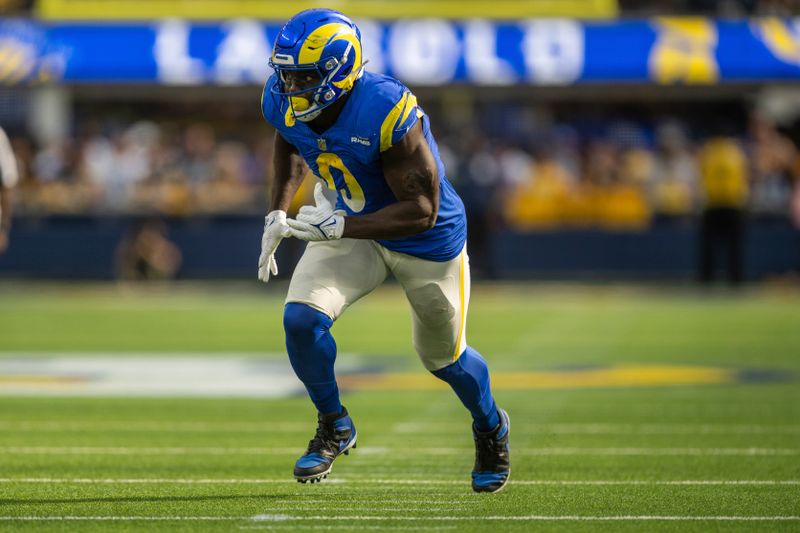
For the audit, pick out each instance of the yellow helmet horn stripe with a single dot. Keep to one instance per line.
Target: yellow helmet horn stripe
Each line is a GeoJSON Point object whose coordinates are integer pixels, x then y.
{"type": "Point", "coordinates": [312, 48]}
{"type": "Point", "coordinates": [351, 78]}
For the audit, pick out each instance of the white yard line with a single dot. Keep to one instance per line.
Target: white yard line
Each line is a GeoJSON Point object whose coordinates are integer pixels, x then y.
{"type": "Point", "coordinates": [613, 429]}
{"type": "Point", "coordinates": [121, 518]}
{"type": "Point", "coordinates": [557, 482]}
{"type": "Point", "coordinates": [168, 427]}
{"type": "Point", "coordinates": [512, 518]}
{"type": "Point", "coordinates": [593, 482]}
{"type": "Point", "coordinates": [403, 427]}
{"type": "Point", "coordinates": [381, 451]}
{"type": "Point", "coordinates": [656, 451]}
{"type": "Point", "coordinates": [123, 450]}
{"type": "Point", "coordinates": [382, 527]}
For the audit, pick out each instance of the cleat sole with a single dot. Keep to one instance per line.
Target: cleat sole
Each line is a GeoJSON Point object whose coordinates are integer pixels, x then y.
{"type": "Point", "coordinates": [316, 478]}
{"type": "Point", "coordinates": [489, 490]}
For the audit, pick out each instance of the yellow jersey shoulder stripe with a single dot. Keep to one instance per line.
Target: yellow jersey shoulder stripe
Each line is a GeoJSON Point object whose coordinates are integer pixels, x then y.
{"type": "Point", "coordinates": [396, 118]}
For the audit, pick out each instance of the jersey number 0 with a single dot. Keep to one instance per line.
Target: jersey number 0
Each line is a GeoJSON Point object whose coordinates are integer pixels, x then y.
{"type": "Point", "coordinates": [352, 193]}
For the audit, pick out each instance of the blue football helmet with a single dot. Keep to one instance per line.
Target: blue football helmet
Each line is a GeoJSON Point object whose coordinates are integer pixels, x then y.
{"type": "Point", "coordinates": [324, 47]}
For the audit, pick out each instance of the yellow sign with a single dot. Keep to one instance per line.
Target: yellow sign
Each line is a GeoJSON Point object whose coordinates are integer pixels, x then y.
{"type": "Point", "coordinates": [778, 36]}
{"type": "Point", "coordinates": [684, 51]}
{"type": "Point", "coordinates": [273, 10]}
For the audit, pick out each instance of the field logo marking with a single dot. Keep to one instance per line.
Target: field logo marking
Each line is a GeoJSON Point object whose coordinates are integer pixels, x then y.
{"type": "Point", "coordinates": [250, 376]}
{"type": "Point", "coordinates": [622, 376]}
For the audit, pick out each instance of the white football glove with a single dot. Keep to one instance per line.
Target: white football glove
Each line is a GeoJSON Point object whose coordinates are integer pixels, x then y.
{"type": "Point", "coordinates": [275, 229]}
{"type": "Point", "coordinates": [317, 223]}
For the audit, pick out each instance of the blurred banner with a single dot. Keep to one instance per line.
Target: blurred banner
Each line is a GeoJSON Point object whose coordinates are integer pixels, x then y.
{"type": "Point", "coordinates": [421, 52]}
{"type": "Point", "coordinates": [103, 10]}
{"type": "Point", "coordinates": [27, 54]}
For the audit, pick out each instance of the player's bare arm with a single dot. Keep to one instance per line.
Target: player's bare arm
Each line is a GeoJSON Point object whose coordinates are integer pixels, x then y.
{"type": "Point", "coordinates": [410, 171]}
{"type": "Point", "coordinates": [289, 170]}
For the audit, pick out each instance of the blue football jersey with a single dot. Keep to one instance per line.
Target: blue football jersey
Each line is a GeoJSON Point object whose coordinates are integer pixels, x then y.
{"type": "Point", "coordinates": [347, 156]}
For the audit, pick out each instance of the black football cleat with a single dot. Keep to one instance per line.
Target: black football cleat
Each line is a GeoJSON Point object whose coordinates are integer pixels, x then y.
{"type": "Point", "coordinates": [335, 435]}
{"type": "Point", "coordinates": [492, 463]}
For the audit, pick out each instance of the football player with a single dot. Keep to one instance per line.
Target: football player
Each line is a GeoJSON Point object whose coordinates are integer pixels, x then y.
{"type": "Point", "coordinates": [367, 139]}
{"type": "Point", "coordinates": [8, 178]}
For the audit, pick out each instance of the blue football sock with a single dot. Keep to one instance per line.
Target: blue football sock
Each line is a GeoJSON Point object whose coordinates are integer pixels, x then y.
{"type": "Point", "coordinates": [312, 352]}
{"type": "Point", "coordinates": [469, 377]}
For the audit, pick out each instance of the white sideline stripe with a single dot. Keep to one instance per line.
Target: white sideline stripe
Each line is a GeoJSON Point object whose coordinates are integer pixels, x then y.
{"type": "Point", "coordinates": [119, 450]}
{"type": "Point", "coordinates": [565, 482]}
{"type": "Point", "coordinates": [521, 518]}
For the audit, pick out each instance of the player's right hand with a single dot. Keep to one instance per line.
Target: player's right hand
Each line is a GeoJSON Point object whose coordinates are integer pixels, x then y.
{"type": "Point", "coordinates": [320, 222]}
{"type": "Point", "coordinates": [275, 229]}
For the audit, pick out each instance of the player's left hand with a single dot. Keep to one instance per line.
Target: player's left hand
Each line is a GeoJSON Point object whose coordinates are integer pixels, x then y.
{"type": "Point", "coordinates": [317, 223]}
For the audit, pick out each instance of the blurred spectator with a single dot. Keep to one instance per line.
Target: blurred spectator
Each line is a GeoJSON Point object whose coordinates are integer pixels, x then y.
{"type": "Point", "coordinates": [537, 199]}
{"type": "Point", "coordinates": [166, 190]}
{"type": "Point", "coordinates": [146, 253]}
{"type": "Point", "coordinates": [198, 153]}
{"type": "Point", "coordinates": [59, 186]}
{"type": "Point", "coordinates": [482, 173]}
{"type": "Point", "coordinates": [673, 188]}
{"type": "Point", "coordinates": [723, 169]}
{"type": "Point", "coordinates": [773, 157]}
{"type": "Point", "coordinates": [223, 191]}
{"type": "Point", "coordinates": [8, 179]}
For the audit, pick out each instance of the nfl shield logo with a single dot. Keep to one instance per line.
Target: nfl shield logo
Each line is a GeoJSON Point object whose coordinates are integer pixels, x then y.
{"type": "Point", "coordinates": [322, 144]}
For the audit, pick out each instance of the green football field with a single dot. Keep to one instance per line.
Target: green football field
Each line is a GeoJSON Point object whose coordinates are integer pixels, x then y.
{"type": "Point", "coordinates": [633, 408]}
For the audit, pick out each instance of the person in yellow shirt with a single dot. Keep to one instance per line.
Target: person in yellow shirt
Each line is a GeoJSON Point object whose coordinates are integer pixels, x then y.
{"type": "Point", "coordinates": [724, 188]}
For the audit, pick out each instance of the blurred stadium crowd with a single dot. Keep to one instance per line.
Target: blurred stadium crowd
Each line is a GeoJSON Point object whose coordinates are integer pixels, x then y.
{"type": "Point", "coordinates": [142, 168]}
{"type": "Point", "coordinates": [615, 175]}
{"type": "Point", "coordinates": [512, 166]}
